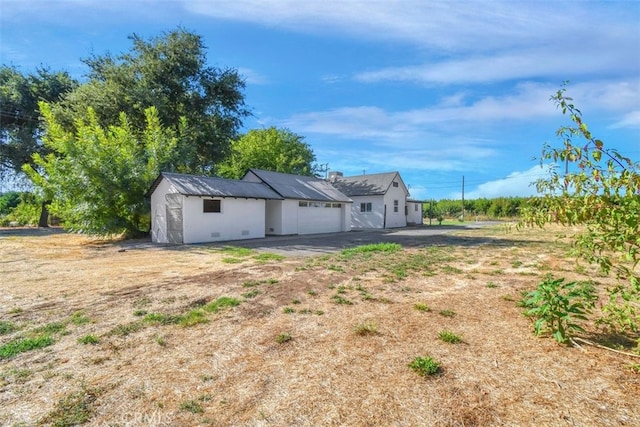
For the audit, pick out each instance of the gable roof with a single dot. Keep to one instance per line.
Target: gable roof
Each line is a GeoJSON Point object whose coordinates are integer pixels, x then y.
{"type": "Point", "coordinates": [299, 187]}
{"type": "Point", "coordinates": [192, 185]}
{"type": "Point", "coordinates": [367, 185]}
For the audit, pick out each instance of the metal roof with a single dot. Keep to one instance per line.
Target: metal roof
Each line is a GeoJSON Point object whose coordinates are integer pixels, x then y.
{"type": "Point", "coordinates": [366, 185]}
{"type": "Point", "coordinates": [192, 185]}
{"type": "Point", "coordinates": [300, 187]}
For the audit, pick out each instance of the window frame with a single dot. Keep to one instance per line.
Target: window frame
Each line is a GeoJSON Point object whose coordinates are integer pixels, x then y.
{"type": "Point", "coordinates": [211, 206]}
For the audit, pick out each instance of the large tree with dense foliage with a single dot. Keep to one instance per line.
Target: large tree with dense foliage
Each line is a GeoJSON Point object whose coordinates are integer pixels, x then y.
{"type": "Point", "coordinates": [20, 125]}
{"type": "Point", "coordinates": [203, 105]}
{"type": "Point", "coordinates": [97, 176]}
{"type": "Point", "coordinates": [597, 187]}
{"type": "Point", "coordinates": [273, 149]}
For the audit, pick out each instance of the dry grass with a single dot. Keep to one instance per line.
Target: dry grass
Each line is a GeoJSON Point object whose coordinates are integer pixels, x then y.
{"type": "Point", "coordinates": [233, 370]}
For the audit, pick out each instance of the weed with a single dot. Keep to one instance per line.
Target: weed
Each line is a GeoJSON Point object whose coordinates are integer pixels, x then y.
{"type": "Point", "coordinates": [337, 268]}
{"type": "Point", "coordinates": [161, 319]}
{"type": "Point", "coordinates": [14, 374]}
{"type": "Point", "coordinates": [318, 312]}
{"type": "Point", "coordinates": [50, 328]}
{"type": "Point", "coordinates": [365, 328]}
{"type": "Point", "coordinates": [88, 339]}
{"type": "Point", "coordinates": [341, 300]}
{"type": "Point", "coordinates": [251, 283]}
{"type": "Point", "coordinates": [237, 251]}
{"type": "Point", "coordinates": [508, 298]}
{"type": "Point", "coordinates": [288, 310]}
{"type": "Point", "coordinates": [272, 281]}
{"type": "Point", "coordinates": [374, 247]}
{"type": "Point", "coordinates": [312, 292]}
{"type": "Point", "coordinates": [425, 366]}
{"type": "Point", "coordinates": [6, 327]}
{"type": "Point", "coordinates": [447, 313]}
{"type": "Point", "coordinates": [220, 303]}
{"type": "Point", "coordinates": [283, 338]}
{"type": "Point", "coordinates": [451, 270]}
{"type": "Point", "coordinates": [232, 260]}
{"type": "Point", "coordinates": [141, 302]}
{"type": "Point", "coordinates": [635, 368]}
{"type": "Point", "coordinates": [206, 378]}
{"type": "Point", "coordinates": [449, 337]}
{"type": "Point", "coordinates": [266, 257]}
{"type": "Point", "coordinates": [254, 293]}
{"type": "Point", "coordinates": [126, 329]}
{"type": "Point", "coordinates": [140, 313]}
{"type": "Point", "coordinates": [79, 318]}
{"type": "Point", "coordinates": [342, 289]}
{"type": "Point", "coordinates": [193, 317]}
{"type": "Point", "coordinates": [295, 301]}
{"type": "Point", "coordinates": [516, 264]}
{"type": "Point", "coordinates": [556, 305]}
{"type": "Point", "coordinates": [160, 340]}
{"type": "Point", "coordinates": [492, 285]}
{"type": "Point", "coordinates": [21, 345]}
{"type": "Point", "coordinates": [192, 406]}
{"type": "Point", "coordinates": [74, 409]}
{"type": "Point", "coordinates": [305, 311]}
{"type": "Point", "coordinates": [420, 306]}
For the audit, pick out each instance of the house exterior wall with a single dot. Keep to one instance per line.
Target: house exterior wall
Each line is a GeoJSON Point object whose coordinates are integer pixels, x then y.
{"type": "Point", "coordinates": [373, 219]}
{"type": "Point", "coordinates": [159, 212]}
{"type": "Point", "coordinates": [238, 219]}
{"type": "Point", "coordinates": [289, 216]}
{"type": "Point", "coordinates": [273, 220]}
{"type": "Point", "coordinates": [414, 216]}
{"type": "Point", "coordinates": [399, 193]}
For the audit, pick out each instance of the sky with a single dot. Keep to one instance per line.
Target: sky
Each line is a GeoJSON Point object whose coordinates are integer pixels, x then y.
{"type": "Point", "coordinates": [436, 90]}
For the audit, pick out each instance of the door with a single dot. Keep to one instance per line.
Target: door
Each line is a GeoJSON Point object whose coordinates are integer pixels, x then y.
{"type": "Point", "coordinates": [174, 218]}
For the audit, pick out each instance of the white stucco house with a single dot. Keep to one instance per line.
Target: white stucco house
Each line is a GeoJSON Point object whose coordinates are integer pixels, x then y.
{"type": "Point", "coordinates": [198, 209]}
{"type": "Point", "coordinates": [380, 200]}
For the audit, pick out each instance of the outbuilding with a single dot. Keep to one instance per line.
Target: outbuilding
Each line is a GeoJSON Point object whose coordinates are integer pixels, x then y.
{"type": "Point", "coordinates": [196, 209]}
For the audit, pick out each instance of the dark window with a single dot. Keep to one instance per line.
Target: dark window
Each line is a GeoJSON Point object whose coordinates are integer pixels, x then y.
{"type": "Point", "coordinates": [395, 184]}
{"type": "Point", "coordinates": [395, 206]}
{"type": "Point", "coordinates": [365, 207]}
{"type": "Point", "coordinates": [415, 207]}
{"type": "Point", "coordinates": [211, 205]}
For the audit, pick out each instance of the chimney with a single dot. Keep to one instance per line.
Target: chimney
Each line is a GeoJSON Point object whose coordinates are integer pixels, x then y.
{"type": "Point", "coordinates": [334, 175]}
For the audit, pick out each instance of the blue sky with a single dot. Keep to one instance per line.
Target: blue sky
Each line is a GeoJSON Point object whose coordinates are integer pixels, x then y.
{"type": "Point", "coordinates": [435, 90]}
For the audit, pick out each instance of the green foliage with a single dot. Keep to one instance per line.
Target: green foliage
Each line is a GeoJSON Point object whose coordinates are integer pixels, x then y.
{"type": "Point", "coordinates": [599, 189]}
{"type": "Point", "coordinates": [272, 149]}
{"type": "Point", "coordinates": [425, 366]}
{"type": "Point", "coordinates": [6, 327]}
{"type": "Point", "coordinates": [26, 212]}
{"type": "Point", "coordinates": [447, 313]}
{"type": "Point", "coordinates": [366, 328]}
{"type": "Point", "coordinates": [88, 339]}
{"type": "Point", "coordinates": [557, 305]}
{"type": "Point", "coordinates": [97, 177]}
{"type": "Point", "coordinates": [337, 299]}
{"type": "Point", "coordinates": [283, 338]}
{"type": "Point", "coordinates": [192, 318]}
{"type": "Point", "coordinates": [202, 105]}
{"type": "Point", "coordinates": [74, 409]}
{"type": "Point", "coordinates": [370, 248]}
{"type": "Point", "coordinates": [8, 201]}
{"type": "Point", "coordinates": [499, 207]}
{"type": "Point", "coordinates": [266, 257]}
{"type": "Point", "coordinates": [420, 306]}
{"type": "Point", "coordinates": [192, 406]}
{"type": "Point", "coordinates": [449, 337]}
{"type": "Point", "coordinates": [20, 128]}
{"type": "Point", "coordinates": [221, 303]}
{"type": "Point", "coordinates": [21, 345]}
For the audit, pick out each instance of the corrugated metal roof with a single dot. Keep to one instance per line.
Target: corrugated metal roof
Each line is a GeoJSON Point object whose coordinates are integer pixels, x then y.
{"type": "Point", "coordinates": [300, 187]}
{"type": "Point", "coordinates": [366, 185]}
{"type": "Point", "coordinates": [192, 185]}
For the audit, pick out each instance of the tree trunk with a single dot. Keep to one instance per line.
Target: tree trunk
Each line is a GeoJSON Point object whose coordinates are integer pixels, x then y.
{"type": "Point", "coordinates": [44, 215]}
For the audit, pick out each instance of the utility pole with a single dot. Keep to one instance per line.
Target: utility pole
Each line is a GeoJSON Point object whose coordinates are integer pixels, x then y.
{"type": "Point", "coordinates": [462, 198]}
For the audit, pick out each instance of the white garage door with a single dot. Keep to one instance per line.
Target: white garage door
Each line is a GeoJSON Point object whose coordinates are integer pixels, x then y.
{"type": "Point", "coordinates": [319, 217]}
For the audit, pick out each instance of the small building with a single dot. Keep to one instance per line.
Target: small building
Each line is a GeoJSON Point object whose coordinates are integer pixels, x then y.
{"type": "Point", "coordinates": [414, 212]}
{"type": "Point", "coordinates": [197, 209]}
{"type": "Point", "coordinates": [379, 200]}
{"type": "Point", "coordinates": [307, 205]}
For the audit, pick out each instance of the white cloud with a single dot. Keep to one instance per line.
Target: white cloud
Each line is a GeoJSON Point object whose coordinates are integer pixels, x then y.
{"type": "Point", "coordinates": [629, 120]}
{"type": "Point", "coordinates": [515, 184]}
{"type": "Point", "coordinates": [252, 77]}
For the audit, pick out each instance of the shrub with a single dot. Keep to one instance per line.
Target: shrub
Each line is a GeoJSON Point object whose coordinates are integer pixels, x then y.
{"type": "Point", "coordinates": [425, 366]}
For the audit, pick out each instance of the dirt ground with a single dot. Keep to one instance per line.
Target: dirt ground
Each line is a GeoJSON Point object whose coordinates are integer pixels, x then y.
{"type": "Point", "coordinates": [314, 340]}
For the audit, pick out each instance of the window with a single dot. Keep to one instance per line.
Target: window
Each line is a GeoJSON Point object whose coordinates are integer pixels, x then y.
{"type": "Point", "coordinates": [209, 205]}
{"type": "Point", "coordinates": [365, 207]}
{"type": "Point", "coordinates": [395, 184]}
{"type": "Point", "coordinates": [336, 205]}
{"type": "Point", "coordinates": [415, 207]}
{"type": "Point", "coordinates": [303, 204]}
{"type": "Point", "coordinates": [395, 206]}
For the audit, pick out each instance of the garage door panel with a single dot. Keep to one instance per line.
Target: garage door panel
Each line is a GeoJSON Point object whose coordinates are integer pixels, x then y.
{"type": "Point", "coordinates": [313, 220]}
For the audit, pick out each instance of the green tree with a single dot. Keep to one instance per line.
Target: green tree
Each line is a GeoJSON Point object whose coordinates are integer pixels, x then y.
{"type": "Point", "coordinates": [97, 177]}
{"type": "Point", "coordinates": [273, 149]}
{"type": "Point", "coordinates": [599, 188]}
{"type": "Point", "coordinates": [203, 105]}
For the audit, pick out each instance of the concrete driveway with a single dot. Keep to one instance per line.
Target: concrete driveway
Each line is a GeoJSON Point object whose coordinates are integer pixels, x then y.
{"type": "Point", "coordinates": [314, 244]}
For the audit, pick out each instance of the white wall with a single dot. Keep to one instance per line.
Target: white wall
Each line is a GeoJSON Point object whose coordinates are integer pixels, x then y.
{"type": "Point", "coordinates": [289, 216]}
{"type": "Point", "coordinates": [273, 218]}
{"type": "Point", "coordinates": [373, 219]}
{"type": "Point", "coordinates": [415, 216]}
{"type": "Point", "coordinates": [159, 212]}
{"type": "Point", "coordinates": [396, 219]}
{"type": "Point", "coordinates": [239, 219]}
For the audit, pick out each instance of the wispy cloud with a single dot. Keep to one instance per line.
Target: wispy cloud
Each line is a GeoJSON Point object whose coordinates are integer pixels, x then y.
{"type": "Point", "coordinates": [253, 77]}
{"type": "Point", "coordinates": [519, 183]}
{"type": "Point", "coordinates": [629, 120]}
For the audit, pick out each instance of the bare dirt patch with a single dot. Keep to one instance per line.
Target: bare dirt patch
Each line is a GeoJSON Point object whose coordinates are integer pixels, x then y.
{"type": "Point", "coordinates": [149, 366]}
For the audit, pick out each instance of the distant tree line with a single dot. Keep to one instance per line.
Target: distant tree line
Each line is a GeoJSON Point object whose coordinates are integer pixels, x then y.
{"type": "Point", "coordinates": [497, 208]}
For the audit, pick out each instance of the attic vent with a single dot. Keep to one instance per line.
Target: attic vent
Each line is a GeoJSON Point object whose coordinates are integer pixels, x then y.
{"type": "Point", "coordinates": [215, 234]}
{"type": "Point", "coordinates": [245, 232]}
{"type": "Point", "coordinates": [395, 184]}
